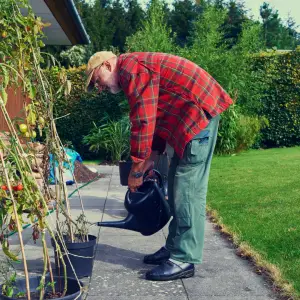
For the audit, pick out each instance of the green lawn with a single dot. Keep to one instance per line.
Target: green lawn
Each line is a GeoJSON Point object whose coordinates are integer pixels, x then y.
{"type": "Point", "coordinates": [257, 195]}
{"type": "Point", "coordinates": [92, 162]}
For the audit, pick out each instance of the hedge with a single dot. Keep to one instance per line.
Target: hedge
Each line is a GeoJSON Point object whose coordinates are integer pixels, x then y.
{"type": "Point", "coordinates": [281, 99]}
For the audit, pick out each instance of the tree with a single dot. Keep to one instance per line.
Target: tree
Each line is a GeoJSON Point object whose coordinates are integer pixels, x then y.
{"type": "Point", "coordinates": [96, 23]}
{"type": "Point", "coordinates": [135, 15]}
{"type": "Point", "coordinates": [234, 22]}
{"type": "Point", "coordinates": [181, 19]}
{"type": "Point", "coordinates": [271, 25]}
{"type": "Point", "coordinates": [277, 34]}
{"type": "Point", "coordinates": [154, 35]}
{"type": "Point", "coordinates": [118, 24]}
{"type": "Point", "coordinates": [291, 36]}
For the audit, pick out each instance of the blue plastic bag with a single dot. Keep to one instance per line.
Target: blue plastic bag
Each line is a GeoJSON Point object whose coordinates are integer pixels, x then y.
{"type": "Point", "coordinates": [72, 156]}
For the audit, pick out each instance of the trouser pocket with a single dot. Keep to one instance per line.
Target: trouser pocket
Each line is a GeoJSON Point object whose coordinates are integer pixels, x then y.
{"type": "Point", "coordinates": [197, 150]}
{"type": "Point", "coordinates": [183, 218]}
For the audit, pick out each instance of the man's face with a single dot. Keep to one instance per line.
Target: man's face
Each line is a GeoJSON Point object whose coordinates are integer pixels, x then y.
{"type": "Point", "coordinates": [106, 78]}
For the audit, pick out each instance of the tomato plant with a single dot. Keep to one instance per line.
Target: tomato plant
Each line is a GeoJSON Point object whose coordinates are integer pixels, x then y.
{"type": "Point", "coordinates": [24, 164]}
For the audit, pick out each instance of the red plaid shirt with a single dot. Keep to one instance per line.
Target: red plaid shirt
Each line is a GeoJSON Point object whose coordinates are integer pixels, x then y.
{"type": "Point", "coordinates": [167, 96]}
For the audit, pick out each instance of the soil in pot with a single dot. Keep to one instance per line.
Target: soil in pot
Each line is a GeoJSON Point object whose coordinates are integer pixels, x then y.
{"type": "Point", "coordinates": [36, 296]}
{"type": "Point", "coordinates": [81, 255]}
{"type": "Point", "coordinates": [73, 290]}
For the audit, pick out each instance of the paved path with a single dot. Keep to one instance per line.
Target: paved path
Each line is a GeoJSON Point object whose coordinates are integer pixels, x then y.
{"type": "Point", "coordinates": [119, 271]}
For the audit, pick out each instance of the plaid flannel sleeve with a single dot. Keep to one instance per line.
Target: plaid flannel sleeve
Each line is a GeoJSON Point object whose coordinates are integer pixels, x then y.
{"type": "Point", "coordinates": [142, 91]}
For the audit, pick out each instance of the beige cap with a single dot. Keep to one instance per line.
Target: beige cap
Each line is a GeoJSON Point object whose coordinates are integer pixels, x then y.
{"type": "Point", "coordinates": [95, 61]}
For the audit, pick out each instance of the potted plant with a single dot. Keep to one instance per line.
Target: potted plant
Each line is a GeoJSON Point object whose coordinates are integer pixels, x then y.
{"type": "Point", "coordinates": [24, 163]}
{"type": "Point", "coordinates": [113, 136]}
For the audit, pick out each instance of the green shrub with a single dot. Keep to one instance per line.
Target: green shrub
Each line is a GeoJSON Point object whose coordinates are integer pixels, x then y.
{"type": "Point", "coordinates": [248, 131]}
{"type": "Point", "coordinates": [227, 134]}
{"type": "Point", "coordinates": [238, 132]}
{"type": "Point", "coordinates": [229, 66]}
{"type": "Point", "coordinates": [112, 136]}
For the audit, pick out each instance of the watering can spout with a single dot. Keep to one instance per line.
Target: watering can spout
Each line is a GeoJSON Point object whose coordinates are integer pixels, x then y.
{"type": "Point", "coordinates": [128, 223]}
{"type": "Point", "coordinates": [114, 224]}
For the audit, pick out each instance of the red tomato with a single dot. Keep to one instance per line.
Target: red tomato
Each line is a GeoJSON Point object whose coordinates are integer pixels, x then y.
{"type": "Point", "coordinates": [4, 188]}
{"type": "Point", "coordinates": [19, 187]}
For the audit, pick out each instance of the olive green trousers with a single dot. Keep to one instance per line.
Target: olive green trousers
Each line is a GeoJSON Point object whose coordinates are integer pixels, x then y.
{"type": "Point", "coordinates": [187, 189]}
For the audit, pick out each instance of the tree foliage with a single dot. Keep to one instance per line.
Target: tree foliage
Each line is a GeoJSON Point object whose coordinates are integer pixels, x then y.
{"type": "Point", "coordinates": [154, 35]}
{"type": "Point", "coordinates": [277, 34]}
{"type": "Point", "coordinates": [110, 22]}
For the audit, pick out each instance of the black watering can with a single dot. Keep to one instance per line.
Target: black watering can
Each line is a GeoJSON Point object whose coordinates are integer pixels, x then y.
{"type": "Point", "coordinates": [148, 209]}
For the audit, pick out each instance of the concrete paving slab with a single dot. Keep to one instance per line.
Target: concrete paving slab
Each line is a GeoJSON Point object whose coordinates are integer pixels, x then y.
{"type": "Point", "coordinates": [230, 298]}
{"type": "Point", "coordinates": [88, 201]}
{"type": "Point", "coordinates": [127, 283]}
{"type": "Point", "coordinates": [120, 297]}
{"type": "Point", "coordinates": [103, 169]}
{"type": "Point", "coordinates": [119, 262]}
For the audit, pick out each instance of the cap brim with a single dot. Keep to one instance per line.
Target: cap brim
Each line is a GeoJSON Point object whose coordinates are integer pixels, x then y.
{"type": "Point", "coordinates": [89, 86]}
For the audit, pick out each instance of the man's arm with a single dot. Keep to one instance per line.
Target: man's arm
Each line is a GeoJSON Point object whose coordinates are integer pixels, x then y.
{"type": "Point", "coordinates": [142, 93]}
{"type": "Point", "coordinates": [142, 90]}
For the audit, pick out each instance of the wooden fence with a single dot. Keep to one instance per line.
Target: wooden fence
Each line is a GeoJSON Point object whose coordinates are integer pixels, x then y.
{"type": "Point", "coordinates": [14, 106]}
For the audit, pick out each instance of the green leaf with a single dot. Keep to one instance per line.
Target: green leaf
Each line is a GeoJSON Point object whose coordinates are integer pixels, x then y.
{"type": "Point", "coordinates": [6, 77]}
{"type": "Point", "coordinates": [10, 292]}
{"type": "Point", "coordinates": [35, 29]}
{"type": "Point", "coordinates": [32, 91]}
{"type": "Point", "coordinates": [4, 96]}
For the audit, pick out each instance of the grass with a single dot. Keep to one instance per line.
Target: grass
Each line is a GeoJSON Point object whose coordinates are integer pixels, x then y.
{"type": "Point", "coordinates": [92, 162]}
{"type": "Point", "coordinates": [257, 196]}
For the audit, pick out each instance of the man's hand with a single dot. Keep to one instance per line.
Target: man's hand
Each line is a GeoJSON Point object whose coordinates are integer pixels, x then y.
{"type": "Point", "coordinates": [141, 167]}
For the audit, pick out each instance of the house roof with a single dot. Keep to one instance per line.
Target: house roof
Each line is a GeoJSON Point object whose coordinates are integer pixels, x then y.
{"type": "Point", "coordinates": [66, 25]}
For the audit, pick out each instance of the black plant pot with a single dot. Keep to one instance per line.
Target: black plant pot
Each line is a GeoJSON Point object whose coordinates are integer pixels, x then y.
{"type": "Point", "coordinates": [124, 170]}
{"type": "Point", "coordinates": [73, 289]}
{"type": "Point", "coordinates": [81, 255]}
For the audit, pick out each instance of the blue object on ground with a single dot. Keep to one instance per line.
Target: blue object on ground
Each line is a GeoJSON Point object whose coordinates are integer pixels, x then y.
{"type": "Point", "coordinates": [72, 156]}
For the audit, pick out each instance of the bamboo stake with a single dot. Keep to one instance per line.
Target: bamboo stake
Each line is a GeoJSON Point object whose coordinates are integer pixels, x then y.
{"type": "Point", "coordinates": [18, 226]}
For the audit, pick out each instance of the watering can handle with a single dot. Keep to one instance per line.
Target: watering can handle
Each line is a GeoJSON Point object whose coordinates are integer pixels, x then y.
{"type": "Point", "coordinates": [160, 183]}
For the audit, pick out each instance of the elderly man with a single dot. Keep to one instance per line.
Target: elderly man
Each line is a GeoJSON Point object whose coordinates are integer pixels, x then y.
{"type": "Point", "coordinates": [174, 101]}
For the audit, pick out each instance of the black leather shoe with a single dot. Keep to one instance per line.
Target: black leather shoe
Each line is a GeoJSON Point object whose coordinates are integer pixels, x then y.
{"type": "Point", "coordinates": [170, 271]}
{"type": "Point", "coordinates": [158, 257]}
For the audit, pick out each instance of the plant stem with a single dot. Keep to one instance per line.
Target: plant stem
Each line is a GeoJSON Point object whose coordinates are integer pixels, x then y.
{"type": "Point", "coordinates": [18, 227]}
{"type": "Point", "coordinates": [42, 282]}
{"type": "Point", "coordinates": [50, 271]}
{"type": "Point", "coordinates": [59, 256]}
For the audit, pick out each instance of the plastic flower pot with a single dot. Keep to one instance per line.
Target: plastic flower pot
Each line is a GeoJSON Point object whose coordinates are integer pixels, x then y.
{"type": "Point", "coordinates": [124, 170]}
{"type": "Point", "coordinates": [73, 288]}
{"type": "Point", "coordinates": [81, 255]}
